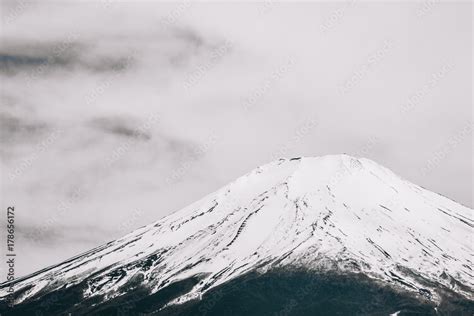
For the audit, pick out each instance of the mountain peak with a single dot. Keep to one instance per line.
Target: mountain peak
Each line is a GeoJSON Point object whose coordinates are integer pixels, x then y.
{"type": "Point", "coordinates": [308, 175]}
{"type": "Point", "coordinates": [333, 212]}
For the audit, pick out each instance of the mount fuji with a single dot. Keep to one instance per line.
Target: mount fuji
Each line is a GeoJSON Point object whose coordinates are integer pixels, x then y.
{"type": "Point", "coordinates": [331, 235]}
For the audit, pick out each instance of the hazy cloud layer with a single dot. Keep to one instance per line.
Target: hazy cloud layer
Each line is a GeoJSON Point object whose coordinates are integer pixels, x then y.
{"type": "Point", "coordinates": [114, 114]}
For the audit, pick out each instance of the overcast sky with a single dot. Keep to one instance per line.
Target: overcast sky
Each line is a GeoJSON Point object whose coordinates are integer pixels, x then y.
{"type": "Point", "coordinates": [113, 114]}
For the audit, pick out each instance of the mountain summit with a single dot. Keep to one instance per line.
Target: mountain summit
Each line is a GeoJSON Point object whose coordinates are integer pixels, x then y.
{"type": "Point", "coordinates": [331, 215]}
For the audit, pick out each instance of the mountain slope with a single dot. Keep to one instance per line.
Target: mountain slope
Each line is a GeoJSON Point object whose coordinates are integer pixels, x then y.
{"type": "Point", "coordinates": [324, 214]}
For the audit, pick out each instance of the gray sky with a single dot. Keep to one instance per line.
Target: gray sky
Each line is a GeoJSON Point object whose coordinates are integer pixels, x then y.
{"type": "Point", "coordinates": [114, 114]}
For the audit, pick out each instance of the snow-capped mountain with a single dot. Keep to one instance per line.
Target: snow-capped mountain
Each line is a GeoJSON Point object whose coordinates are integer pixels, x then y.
{"type": "Point", "coordinates": [331, 213]}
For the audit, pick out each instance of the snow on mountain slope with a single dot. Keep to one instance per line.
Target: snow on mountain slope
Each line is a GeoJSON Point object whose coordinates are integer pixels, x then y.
{"type": "Point", "coordinates": [319, 213]}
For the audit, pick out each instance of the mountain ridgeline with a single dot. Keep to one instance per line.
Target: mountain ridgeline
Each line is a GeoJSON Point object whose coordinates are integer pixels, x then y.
{"type": "Point", "coordinates": [332, 235]}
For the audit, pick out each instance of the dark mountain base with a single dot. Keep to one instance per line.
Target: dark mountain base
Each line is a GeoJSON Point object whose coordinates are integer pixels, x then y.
{"type": "Point", "coordinates": [274, 293]}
